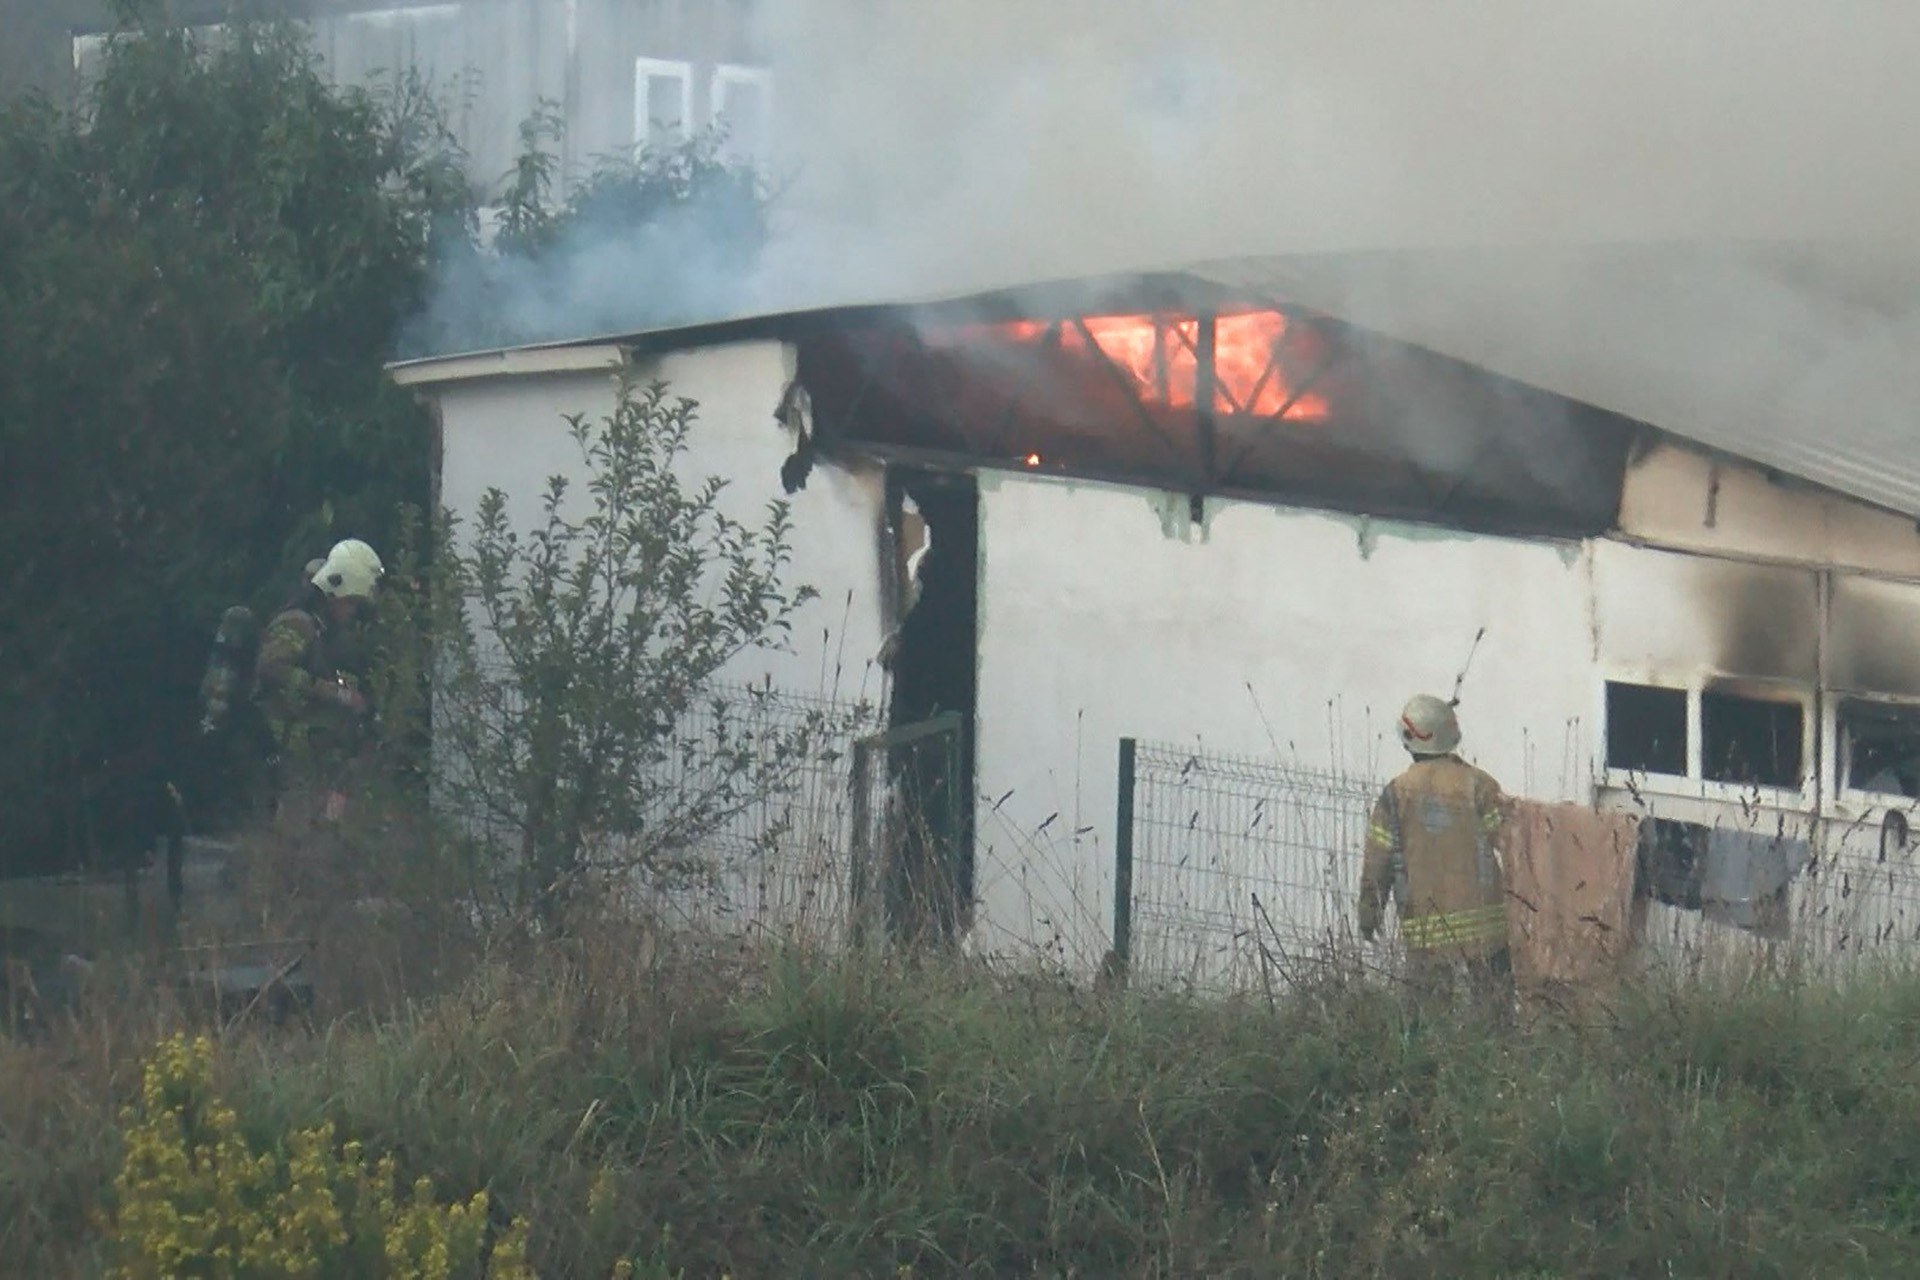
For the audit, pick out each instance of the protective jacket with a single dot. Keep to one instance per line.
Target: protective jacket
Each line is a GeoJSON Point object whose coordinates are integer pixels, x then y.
{"type": "Point", "coordinates": [297, 678]}
{"type": "Point", "coordinates": [1430, 847]}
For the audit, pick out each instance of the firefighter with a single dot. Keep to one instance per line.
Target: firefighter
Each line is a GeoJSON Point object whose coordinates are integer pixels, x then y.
{"type": "Point", "coordinates": [312, 706]}
{"type": "Point", "coordinates": [1430, 847]}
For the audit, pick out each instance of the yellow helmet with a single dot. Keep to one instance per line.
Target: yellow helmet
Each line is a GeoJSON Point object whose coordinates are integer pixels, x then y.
{"type": "Point", "coordinates": [350, 571]}
{"type": "Point", "coordinates": [1428, 726]}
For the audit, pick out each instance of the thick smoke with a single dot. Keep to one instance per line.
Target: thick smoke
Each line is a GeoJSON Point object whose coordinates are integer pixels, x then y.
{"type": "Point", "coordinates": [1427, 160]}
{"type": "Point", "coordinates": [944, 146]}
{"type": "Point", "coordinates": [1434, 163]}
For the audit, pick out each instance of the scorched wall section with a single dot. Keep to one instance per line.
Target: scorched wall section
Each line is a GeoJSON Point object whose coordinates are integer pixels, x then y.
{"type": "Point", "coordinates": [1265, 631]}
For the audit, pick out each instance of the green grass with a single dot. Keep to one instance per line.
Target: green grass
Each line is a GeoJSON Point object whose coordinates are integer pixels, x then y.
{"type": "Point", "coordinates": [773, 1115]}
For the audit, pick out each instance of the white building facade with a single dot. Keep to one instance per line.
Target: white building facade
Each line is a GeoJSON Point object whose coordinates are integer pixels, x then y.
{"type": "Point", "coordinates": [1706, 641]}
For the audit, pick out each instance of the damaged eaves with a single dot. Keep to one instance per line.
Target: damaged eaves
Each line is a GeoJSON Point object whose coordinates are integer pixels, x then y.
{"type": "Point", "coordinates": [1342, 420]}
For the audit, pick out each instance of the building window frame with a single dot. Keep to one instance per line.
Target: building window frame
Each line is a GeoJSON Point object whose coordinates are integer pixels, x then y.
{"type": "Point", "coordinates": [645, 71]}
{"type": "Point", "coordinates": [725, 77]}
{"type": "Point", "coordinates": [1695, 782]}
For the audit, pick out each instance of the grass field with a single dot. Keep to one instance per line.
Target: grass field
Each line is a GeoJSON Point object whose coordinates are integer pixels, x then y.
{"type": "Point", "coordinates": [717, 1111]}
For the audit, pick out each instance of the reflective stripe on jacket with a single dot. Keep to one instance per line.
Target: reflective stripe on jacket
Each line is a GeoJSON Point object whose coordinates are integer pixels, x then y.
{"type": "Point", "coordinates": [1430, 848]}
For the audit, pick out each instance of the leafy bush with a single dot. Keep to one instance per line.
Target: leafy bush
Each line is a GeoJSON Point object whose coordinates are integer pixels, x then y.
{"type": "Point", "coordinates": [204, 265]}
{"type": "Point", "coordinates": [193, 1198]}
{"type": "Point", "coordinates": [570, 657]}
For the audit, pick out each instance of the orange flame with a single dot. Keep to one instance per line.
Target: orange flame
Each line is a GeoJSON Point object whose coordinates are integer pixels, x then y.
{"type": "Point", "coordinates": [1161, 355]}
{"type": "Point", "coordinates": [1033, 459]}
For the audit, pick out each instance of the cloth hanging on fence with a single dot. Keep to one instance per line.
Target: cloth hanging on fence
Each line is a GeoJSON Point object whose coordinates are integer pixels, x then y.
{"type": "Point", "coordinates": [1745, 879]}
{"type": "Point", "coordinates": [1735, 877]}
{"type": "Point", "coordinates": [1673, 862]}
{"type": "Point", "coordinates": [1570, 875]}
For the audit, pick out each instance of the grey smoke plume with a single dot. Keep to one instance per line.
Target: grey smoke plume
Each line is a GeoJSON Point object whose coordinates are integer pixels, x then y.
{"type": "Point", "coordinates": [1445, 169]}
{"type": "Point", "coordinates": [952, 147]}
{"type": "Point", "coordinates": [945, 145]}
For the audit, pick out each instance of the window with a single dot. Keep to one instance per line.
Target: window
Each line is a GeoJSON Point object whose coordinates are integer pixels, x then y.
{"type": "Point", "coordinates": [406, 14]}
{"type": "Point", "coordinates": [743, 106]}
{"type": "Point", "coordinates": [1880, 748]}
{"type": "Point", "coordinates": [662, 102]}
{"type": "Point", "coordinates": [1646, 729]}
{"type": "Point", "coordinates": [1750, 741]}
{"type": "Point", "coordinates": [1730, 735]}
{"type": "Point", "coordinates": [90, 49]}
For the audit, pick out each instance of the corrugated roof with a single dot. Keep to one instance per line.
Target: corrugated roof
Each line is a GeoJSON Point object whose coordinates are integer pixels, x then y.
{"type": "Point", "coordinates": [1800, 357]}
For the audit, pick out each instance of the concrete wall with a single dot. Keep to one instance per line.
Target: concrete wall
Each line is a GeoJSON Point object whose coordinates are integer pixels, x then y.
{"type": "Point", "coordinates": [1793, 593]}
{"type": "Point", "coordinates": [1270, 632]}
{"type": "Point", "coordinates": [511, 433]}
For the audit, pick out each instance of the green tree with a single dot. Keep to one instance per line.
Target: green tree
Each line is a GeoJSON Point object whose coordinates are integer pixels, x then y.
{"type": "Point", "coordinates": [203, 265]}
{"type": "Point", "coordinates": [650, 238]}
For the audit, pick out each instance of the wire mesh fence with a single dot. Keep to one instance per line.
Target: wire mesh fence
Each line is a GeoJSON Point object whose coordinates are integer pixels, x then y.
{"type": "Point", "coordinates": [745, 815]}
{"type": "Point", "coordinates": [1232, 871]}
{"type": "Point", "coordinates": [776, 859]}
{"type": "Point", "coordinates": [912, 847]}
{"type": "Point", "coordinates": [1237, 866]}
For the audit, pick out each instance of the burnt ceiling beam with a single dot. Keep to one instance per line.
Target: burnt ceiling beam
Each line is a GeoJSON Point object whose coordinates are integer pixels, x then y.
{"type": "Point", "coordinates": [1206, 384]}
{"type": "Point", "coordinates": [1126, 385]}
{"type": "Point", "coordinates": [1327, 362]}
{"type": "Point", "coordinates": [828, 434]}
{"type": "Point", "coordinates": [1049, 340]}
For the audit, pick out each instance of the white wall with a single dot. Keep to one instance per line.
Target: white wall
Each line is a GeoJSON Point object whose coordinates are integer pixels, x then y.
{"type": "Point", "coordinates": [1277, 634]}
{"type": "Point", "coordinates": [1105, 615]}
{"type": "Point", "coordinates": [511, 433]}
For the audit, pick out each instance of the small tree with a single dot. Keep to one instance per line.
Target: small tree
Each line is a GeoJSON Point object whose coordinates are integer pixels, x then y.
{"type": "Point", "coordinates": [571, 658]}
{"type": "Point", "coordinates": [665, 235]}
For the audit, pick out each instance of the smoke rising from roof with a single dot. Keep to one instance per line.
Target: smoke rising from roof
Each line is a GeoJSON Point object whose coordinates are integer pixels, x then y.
{"type": "Point", "coordinates": [1428, 166]}
{"type": "Point", "coordinates": [1448, 155]}
{"type": "Point", "coordinates": [950, 145]}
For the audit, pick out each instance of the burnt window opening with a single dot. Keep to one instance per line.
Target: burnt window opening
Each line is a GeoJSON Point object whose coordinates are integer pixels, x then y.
{"type": "Point", "coordinates": [933, 657]}
{"type": "Point", "coordinates": [1209, 395]}
{"type": "Point", "coordinates": [1880, 748]}
{"type": "Point", "coordinates": [1751, 741]}
{"type": "Point", "coordinates": [1646, 729]}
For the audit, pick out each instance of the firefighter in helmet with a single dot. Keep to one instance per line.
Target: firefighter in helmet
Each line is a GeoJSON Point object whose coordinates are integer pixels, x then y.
{"type": "Point", "coordinates": [312, 705]}
{"type": "Point", "coordinates": [1430, 847]}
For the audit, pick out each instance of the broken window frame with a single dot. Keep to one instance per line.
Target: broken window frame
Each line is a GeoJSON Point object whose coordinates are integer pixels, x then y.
{"type": "Point", "coordinates": [1767, 694]}
{"type": "Point", "coordinates": [1695, 784]}
{"type": "Point", "coordinates": [1607, 734]}
{"type": "Point", "coordinates": [1840, 748]}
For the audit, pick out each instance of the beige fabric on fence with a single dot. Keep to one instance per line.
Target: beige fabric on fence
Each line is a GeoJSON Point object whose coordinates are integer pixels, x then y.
{"type": "Point", "coordinates": [1569, 892]}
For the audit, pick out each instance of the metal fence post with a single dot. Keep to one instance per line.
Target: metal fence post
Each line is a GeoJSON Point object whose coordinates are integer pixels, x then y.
{"type": "Point", "coordinates": [860, 874]}
{"type": "Point", "coordinates": [1123, 862]}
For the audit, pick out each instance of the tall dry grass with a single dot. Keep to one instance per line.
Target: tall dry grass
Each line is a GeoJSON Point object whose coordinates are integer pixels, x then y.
{"type": "Point", "coordinates": [712, 1106]}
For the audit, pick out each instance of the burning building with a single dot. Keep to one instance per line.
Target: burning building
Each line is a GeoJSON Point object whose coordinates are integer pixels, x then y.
{"type": "Point", "coordinates": [1248, 508]}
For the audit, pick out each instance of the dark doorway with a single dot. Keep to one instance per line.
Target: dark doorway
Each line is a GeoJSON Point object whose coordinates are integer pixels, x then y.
{"type": "Point", "coordinates": [931, 873]}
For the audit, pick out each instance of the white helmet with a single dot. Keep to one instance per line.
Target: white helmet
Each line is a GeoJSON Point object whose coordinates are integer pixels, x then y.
{"type": "Point", "coordinates": [1428, 726]}
{"type": "Point", "coordinates": [351, 571]}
